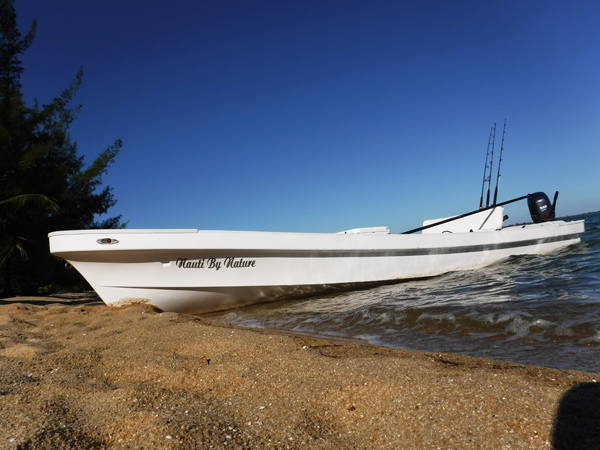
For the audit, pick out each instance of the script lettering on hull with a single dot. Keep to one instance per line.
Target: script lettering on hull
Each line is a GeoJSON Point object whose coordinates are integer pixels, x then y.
{"type": "Point", "coordinates": [215, 263]}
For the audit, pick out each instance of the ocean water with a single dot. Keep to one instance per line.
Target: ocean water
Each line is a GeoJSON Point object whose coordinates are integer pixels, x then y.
{"type": "Point", "coordinates": [542, 310]}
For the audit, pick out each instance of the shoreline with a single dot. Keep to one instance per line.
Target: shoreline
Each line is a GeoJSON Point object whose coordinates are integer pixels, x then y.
{"type": "Point", "coordinates": [79, 374]}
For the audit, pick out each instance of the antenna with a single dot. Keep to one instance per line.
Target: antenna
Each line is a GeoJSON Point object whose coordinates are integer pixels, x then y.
{"type": "Point", "coordinates": [487, 155]}
{"type": "Point", "coordinates": [499, 162]}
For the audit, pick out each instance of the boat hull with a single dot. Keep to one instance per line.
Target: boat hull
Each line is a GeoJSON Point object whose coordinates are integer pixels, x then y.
{"type": "Point", "coordinates": [198, 271]}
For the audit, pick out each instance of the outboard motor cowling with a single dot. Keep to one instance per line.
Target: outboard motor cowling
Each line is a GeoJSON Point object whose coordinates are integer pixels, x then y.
{"type": "Point", "coordinates": [540, 208]}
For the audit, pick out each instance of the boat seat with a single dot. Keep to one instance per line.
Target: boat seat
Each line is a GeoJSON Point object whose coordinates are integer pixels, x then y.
{"type": "Point", "coordinates": [368, 230]}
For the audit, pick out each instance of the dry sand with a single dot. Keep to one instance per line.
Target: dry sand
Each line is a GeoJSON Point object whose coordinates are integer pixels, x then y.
{"type": "Point", "coordinates": [77, 374]}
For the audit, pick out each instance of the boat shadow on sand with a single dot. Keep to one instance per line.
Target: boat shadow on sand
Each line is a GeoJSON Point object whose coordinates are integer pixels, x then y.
{"type": "Point", "coordinates": [85, 298]}
{"type": "Point", "coordinates": [577, 425]}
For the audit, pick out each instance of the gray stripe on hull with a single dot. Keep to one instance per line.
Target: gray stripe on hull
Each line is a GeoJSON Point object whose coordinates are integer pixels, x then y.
{"type": "Point", "coordinates": [398, 252]}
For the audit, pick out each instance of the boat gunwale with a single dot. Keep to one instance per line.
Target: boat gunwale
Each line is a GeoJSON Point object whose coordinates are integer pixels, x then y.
{"type": "Point", "coordinates": [322, 253]}
{"type": "Point", "coordinates": [178, 231]}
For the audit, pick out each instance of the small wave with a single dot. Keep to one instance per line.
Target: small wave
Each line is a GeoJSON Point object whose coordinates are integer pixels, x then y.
{"type": "Point", "coordinates": [541, 309]}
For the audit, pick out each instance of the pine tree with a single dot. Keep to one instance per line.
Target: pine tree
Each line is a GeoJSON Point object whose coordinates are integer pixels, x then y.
{"type": "Point", "coordinates": [45, 185]}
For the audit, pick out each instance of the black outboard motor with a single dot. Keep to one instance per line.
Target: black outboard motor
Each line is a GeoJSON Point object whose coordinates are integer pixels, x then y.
{"type": "Point", "coordinates": [540, 208]}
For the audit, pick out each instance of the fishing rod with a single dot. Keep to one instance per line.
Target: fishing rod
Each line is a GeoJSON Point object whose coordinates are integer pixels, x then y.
{"type": "Point", "coordinates": [441, 222]}
{"type": "Point", "coordinates": [489, 178]}
{"type": "Point", "coordinates": [499, 163]}
{"type": "Point", "coordinates": [487, 155]}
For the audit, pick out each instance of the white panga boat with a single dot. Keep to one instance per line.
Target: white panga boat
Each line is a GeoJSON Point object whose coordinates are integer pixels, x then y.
{"type": "Point", "coordinates": [197, 271]}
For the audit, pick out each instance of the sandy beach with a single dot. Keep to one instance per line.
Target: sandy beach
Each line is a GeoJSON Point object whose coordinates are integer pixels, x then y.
{"type": "Point", "coordinates": [76, 374]}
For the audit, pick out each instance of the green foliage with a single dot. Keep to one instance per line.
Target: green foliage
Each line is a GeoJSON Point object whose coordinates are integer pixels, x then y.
{"type": "Point", "coordinates": [45, 185]}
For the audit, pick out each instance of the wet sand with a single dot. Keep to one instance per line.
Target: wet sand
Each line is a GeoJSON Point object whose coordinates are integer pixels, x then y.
{"type": "Point", "coordinates": [77, 374]}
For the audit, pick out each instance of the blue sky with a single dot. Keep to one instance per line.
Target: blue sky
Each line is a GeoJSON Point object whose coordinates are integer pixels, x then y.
{"type": "Point", "coordinates": [321, 116]}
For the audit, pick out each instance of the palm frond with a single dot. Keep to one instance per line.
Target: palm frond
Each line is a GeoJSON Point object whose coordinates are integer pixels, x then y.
{"type": "Point", "coordinates": [19, 201]}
